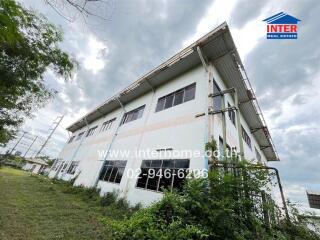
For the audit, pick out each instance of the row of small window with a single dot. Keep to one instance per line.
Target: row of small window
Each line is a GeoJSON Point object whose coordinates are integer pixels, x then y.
{"type": "Point", "coordinates": [180, 96]}
{"type": "Point", "coordinates": [62, 167]}
{"type": "Point", "coordinates": [155, 175]}
{"type": "Point", "coordinates": [104, 127]}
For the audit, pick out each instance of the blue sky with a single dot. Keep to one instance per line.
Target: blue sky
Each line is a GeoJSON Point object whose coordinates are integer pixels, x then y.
{"type": "Point", "coordinates": [139, 35]}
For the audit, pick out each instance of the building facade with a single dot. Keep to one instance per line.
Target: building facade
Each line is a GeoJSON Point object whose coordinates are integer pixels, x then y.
{"type": "Point", "coordinates": [35, 165]}
{"type": "Point", "coordinates": [161, 122]}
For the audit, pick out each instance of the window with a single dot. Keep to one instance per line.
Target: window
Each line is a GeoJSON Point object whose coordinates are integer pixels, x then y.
{"type": "Point", "coordinates": [190, 92]}
{"type": "Point", "coordinates": [232, 115]}
{"type": "Point", "coordinates": [57, 166]}
{"type": "Point", "coordinates": [157, 175]}
{"type": "Point", "coordinates": [80, 136]}
{"type": "Point", "coordinates": [73, 167]}
{"type": "Point", "coordinates": [91, 131]}
{"type": "Point", "coordinates": [64, 166]}
{"type": "Point", "coordinates": [160, 104]}
{"type": "Point", "coordinates": [217, 100]}
{"type": "Point", "coordinates": [107, 125]}
{"type": "Point", "coordinates": [112, 171]}
{"type": "Point", "coordinates": [180, 96]}
{"type": "Point", "coordinates": [258, 155]}
{"type": "Point", "coordinates": [71, 139]}
{"type": "Point", "coordinates": [133, 115]}
{"type": "Point", "coordinates": [54, 165]}
{"type": "Point", "coordinates": [246, 137]}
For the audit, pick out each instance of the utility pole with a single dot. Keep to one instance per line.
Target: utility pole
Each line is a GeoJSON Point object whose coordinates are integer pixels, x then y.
{"type": "Point", "coordinates": [56, 124]}
{"type": "Point", "coordinates": [17, 142]}
{"type": "Point", "coordinates": [30, 146]}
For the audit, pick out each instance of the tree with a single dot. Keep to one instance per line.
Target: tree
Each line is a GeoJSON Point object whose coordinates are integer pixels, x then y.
{"type": "Point", "coordinates": [70, 10]}
{"type": "Point", "coordinates": [28, 48]}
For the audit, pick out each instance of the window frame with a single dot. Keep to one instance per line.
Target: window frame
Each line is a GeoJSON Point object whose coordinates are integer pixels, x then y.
{"type": "Point", "coordinates": [216, 100]}
{"type": "Point", "coordinates": [91, 131]}
{"type": "Point", "coordinates": [232, 115]}
{"type": "Point", "coordinates": [106, 125]}
{"type": "Point", "coordinates": [80, 135]}
{"type": "Point", "coordinates": [174, 94]}
{"type": "Point", "coordinates": [108, 166]}
{"type": "Point", "coordinates": [246, 137]}
{"type": "Point", "coordinates": [73, 167]}
{"type": "Point", "coordinates": [173, 174]}
{"type": "Point", "coordinates": [130, 115]}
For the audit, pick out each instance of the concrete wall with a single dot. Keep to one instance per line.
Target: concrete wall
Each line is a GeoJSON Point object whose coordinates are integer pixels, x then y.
{"type": "Point", "coordinates": [177, 128]}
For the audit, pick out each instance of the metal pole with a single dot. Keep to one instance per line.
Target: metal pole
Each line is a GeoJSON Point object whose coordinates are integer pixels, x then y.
{"type": "Point", "coordinates": [224, 128]}
{"type": "Point", "coordinates": [17, 142]}
{"type": "Point", "coordinates": [30, 146]}
{"type": "Point", "coordinates": [207, 127]}
{"type": "Point", "coordinates": [46, 141]}
{"type": "Point", "coordinates": [236, 101]}
{"type": "Point", "coordinates": [279, 184]}
{"type": "Point", "coordinates": [281, 192]}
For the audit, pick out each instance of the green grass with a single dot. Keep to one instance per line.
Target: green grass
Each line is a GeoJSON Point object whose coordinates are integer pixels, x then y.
{"type": "Point", "coordinates": [34, 207]}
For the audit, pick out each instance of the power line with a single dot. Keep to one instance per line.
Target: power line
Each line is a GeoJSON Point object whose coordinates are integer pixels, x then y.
{"type": "Point", "coordinates": [18, 142]}
{"type": "Point", "coordinates": [30, 146]}
{"type": "Point", "coordinates": [55, 124]}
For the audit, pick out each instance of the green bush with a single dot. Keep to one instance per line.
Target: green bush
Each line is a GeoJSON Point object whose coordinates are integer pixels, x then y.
{"type": "Point", "coordinates": [108, 199]}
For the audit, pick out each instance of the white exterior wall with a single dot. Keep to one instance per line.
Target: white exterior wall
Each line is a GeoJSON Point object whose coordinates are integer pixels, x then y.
{"type": "Point", "coordinates": [176, 127]}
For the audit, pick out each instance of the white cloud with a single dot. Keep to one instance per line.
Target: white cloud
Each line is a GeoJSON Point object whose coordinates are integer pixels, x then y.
{"type": "Point", "coordinates": [94, 56]}
{"type": "Point", "coordinates": [217, 13]}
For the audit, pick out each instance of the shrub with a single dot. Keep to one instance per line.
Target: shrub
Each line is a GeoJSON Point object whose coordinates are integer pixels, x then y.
{"type": "Point", "coordinates": [108, 199]}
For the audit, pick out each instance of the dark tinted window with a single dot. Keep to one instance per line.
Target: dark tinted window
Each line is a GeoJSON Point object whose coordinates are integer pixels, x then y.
{"type": "Point", "coordinates": [133, 115]}
{"type": "Point", "coordinates": [160, 104]}
{"type": "Point", "coordinates": [246, 137]}
{"type": "Point", "coordinates": [232, 115]}
{"type": "Point", "coordinates": [217, 99]}
{"type": "Point", "coordinates": [107, 125]}
{"type": "Point", "coordinates": [169, 101]}
{"type": "Point", "coordinates": [91, 131]}
{"type": "Point", "coordinates": [112, 171]}
{"type": "Point", "coordinates": [182, 95]}
{"type": "Point", "coordinates": [190, 92]}
{"type": "Point", "coordinates": [163, 174]}
{"type": "Point", "coordinates": [178, 97]}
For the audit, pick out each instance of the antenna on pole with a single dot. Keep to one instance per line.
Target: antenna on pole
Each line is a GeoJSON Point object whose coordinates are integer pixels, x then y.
{"type": "Point", "coordinates": [55, 124]}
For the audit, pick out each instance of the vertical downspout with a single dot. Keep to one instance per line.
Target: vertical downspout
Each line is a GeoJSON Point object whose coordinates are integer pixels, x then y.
{"type": "Point", "coordinates": [76, 151]}
{"type": "Point", "coordinates": [207, 131]}
{"type": "Point", "coordinates": [110, 144]}
{"type": "Point", "coordinates": [153, 89]}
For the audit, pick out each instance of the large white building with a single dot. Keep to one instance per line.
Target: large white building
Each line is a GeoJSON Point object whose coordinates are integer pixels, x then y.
{"type": "Point", "coordinates": [173, 108]}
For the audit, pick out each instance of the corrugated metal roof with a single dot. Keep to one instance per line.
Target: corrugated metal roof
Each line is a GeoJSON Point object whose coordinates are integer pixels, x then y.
{"type": "Point", "coordinates": [217, 46]}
